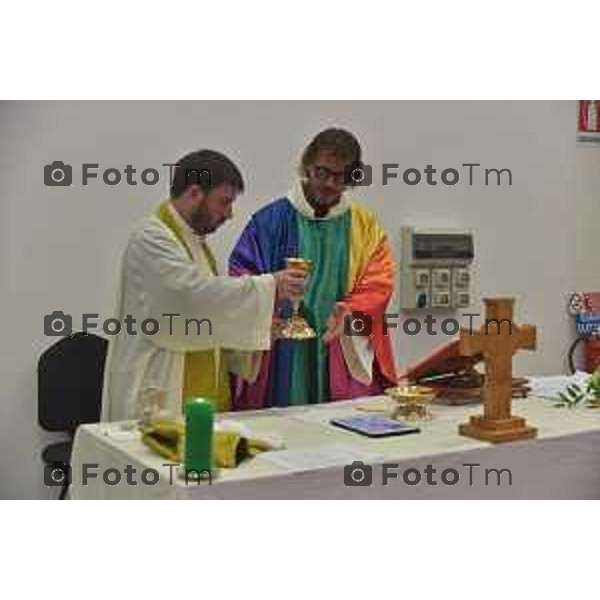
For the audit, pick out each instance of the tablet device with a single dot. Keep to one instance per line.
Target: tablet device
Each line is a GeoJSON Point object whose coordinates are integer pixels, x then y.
{"type": "Point", "coordinates": [375, 426]}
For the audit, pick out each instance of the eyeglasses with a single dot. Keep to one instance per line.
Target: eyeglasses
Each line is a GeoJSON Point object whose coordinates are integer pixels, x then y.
{"type": "Point", "coordinates": [323, 174]}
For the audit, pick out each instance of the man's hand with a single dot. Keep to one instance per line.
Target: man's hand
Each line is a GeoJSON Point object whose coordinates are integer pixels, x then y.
{"type": "Point", "coordinates": [335, 323]}
{"type": "Point", "coordinates": [290, 284]}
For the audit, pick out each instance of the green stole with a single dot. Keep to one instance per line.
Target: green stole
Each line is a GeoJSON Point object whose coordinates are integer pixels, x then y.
{"type": "Point", "coordinates": [203, 372]}
{"type": "Point", "coordinates": [326, 243]}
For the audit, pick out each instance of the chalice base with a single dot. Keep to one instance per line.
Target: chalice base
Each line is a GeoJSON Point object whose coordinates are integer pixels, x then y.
{"type": "Point", "coordinates": [296, 328]}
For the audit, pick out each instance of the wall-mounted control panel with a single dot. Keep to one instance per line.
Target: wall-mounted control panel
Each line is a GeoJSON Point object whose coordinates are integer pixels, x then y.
{"type": "Point", "coordinates": [435, 268]}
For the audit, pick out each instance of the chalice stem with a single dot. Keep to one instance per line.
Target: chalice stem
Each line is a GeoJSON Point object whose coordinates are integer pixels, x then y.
{"type": "Point", "coordinates": [295, 308]}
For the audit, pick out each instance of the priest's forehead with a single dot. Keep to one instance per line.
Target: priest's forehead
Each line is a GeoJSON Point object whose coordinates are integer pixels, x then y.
{"type": "Point", "coordinates": [330, 160]}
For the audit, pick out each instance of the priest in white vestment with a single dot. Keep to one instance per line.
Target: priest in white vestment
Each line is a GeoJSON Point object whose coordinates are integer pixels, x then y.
{"type": "Point", "coordinates": [169, 278]}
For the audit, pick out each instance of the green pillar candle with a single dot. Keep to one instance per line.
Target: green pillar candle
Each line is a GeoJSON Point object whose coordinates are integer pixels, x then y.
{"type": "Point", "coordinates": [199, 421]}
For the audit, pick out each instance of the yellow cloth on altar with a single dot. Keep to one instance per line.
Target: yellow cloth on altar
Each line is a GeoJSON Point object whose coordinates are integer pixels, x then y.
{"type": "Point", "coordinates": [230, 448]}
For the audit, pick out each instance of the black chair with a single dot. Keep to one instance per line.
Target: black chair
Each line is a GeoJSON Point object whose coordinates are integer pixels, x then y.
{"type": "Point", "coordinates": [70, 376]}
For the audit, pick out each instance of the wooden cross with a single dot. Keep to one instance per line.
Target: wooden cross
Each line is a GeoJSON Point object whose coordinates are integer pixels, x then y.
{"type": "Point", "coordinates": [498, 340]}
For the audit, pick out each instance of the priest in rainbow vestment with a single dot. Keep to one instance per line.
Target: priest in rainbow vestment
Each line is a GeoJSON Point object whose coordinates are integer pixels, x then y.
{"type": "Point", "coordinates": [348, 290]}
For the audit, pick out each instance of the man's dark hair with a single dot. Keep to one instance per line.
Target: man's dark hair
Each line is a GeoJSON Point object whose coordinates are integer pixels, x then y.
{"type": "Point", "coordinates": [207, 169]}
{"type": "Point", "coordinates": [341, 143]}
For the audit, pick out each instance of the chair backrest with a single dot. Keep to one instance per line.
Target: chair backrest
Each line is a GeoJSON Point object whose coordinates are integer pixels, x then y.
{"type": "Point", "coordinates": [70, 376]}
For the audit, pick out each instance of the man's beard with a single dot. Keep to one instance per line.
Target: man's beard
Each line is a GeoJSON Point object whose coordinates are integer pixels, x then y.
{"type": "Point", "coordinates": [321, 205]}
{"type": "Point", "coordinates": [201, 222]}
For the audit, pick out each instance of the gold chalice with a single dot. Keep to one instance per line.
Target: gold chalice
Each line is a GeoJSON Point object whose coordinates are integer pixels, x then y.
{"type": "Point", "coordinates": [296, 327]}
{"type": "Point", "coordinates": [411, 402]}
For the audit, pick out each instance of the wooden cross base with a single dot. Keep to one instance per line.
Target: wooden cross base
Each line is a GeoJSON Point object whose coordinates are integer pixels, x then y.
{"type": "Point", "coordinates": [497, 430]}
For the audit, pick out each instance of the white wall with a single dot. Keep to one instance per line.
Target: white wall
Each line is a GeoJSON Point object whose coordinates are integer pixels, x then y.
{"type": "Point", "coordinates": [61, 246]}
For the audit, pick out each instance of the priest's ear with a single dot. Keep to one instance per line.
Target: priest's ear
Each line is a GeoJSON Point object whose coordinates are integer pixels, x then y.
{"type": "Point", "coordinates": [190, 199]}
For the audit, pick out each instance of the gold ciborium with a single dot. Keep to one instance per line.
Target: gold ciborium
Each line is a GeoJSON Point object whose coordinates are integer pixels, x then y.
{"type": "Point", "coordinates": [296, 327]}
{"type": "Point", "coordinates": [411, 402]}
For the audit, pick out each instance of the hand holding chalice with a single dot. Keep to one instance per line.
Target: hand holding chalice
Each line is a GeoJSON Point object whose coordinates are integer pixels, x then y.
{"type": "Point", "coordinates": [296, 327]}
